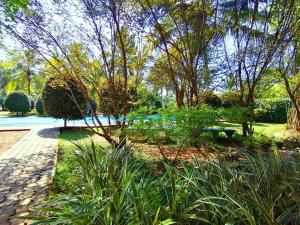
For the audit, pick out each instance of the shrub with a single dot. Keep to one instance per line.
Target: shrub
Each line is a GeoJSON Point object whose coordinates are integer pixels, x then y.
{"type": "Point", "coordinates": [211, 99]}
{"type": "Point", "coordinates": [63, 99]}
{"type": "Point", "coordinates": [157, 104]}
{"type": "Point", "coordinates": [272, 111]}
{"type": "Point", "coordinates": [174, 126]}
{"type": "Point", "coordinates": [233, 114]}
{"type": "Point", "coordinates": [113, 103]}
{"type": "Point", "coordinates": [39, 105]}
{"type": "Point", "coordinates": [1, 102]}
{"type": "Point", "coordinates": [122, 190]}
{"type": "Point", "coordinates": [261, 115]}
{"type": "Point", "coordinates": [230, 99]}
{"type": "Point", "coordinates": [17, 102]}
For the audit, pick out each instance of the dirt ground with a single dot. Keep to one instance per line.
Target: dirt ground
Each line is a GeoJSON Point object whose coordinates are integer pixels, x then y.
{"type": "Point", "coordinates": [8, 138]}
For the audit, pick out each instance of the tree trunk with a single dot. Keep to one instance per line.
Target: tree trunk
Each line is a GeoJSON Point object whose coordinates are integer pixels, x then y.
{"type": "Point", "coordinates": [293, 120]}
{"type": "Point", "coordinates": [65, 122]}
{"type": "Point", "coordinates": [179, 97]}
{"type": "Point", "coordinates": [28, 73]}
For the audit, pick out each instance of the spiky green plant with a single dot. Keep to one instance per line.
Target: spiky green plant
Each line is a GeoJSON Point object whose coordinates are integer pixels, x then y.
{"type": "Point", "coordinates": [115, 187]}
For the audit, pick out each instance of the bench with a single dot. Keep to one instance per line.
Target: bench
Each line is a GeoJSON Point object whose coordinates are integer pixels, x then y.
{"type": "Point", "coordinates": [229, 132]}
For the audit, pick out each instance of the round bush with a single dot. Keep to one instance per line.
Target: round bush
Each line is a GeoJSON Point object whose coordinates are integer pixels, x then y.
{"type": "Point", "coordinates": [63, 99]}
{"type": "Point", "coordinates": [32, 104]}
{"type": "Point", "coordinates": [39, 105]}
{"type": "Point", "coordinates": [17, 102]}
{"type": "Point", "coordinates": [211, 99]}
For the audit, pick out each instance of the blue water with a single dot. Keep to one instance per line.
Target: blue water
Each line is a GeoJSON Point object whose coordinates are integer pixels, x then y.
{"type": "Point", "coordinates": [29, 121]}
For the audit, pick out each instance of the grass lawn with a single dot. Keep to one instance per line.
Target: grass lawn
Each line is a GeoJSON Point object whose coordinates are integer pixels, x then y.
{"type": "Point", "coordinates": [65, 175]}
{"type": "Point", "coordinates": [268, 129]}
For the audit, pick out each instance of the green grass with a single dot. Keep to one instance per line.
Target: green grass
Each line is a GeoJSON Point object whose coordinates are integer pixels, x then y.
{"type": "Point", "coordinates": [66, 168]}
{"type": "Point", "coordinates": [268, 129]}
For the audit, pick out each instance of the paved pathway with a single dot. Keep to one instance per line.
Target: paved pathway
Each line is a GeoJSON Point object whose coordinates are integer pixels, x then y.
{"type": "Point", "coordinates": [26, 170]}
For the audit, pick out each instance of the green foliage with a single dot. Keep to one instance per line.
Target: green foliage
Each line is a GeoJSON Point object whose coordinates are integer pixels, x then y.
{"type": "Point", "coordinates": [17, 102]}
{"type": "Point", "coordinates": [39, 105]}
{"type": "Point", "coordinates": [63, 99]}
{"type": "Point", "coordinates": [230, 99]}
{"type": "Point", "coordinates": [233, 114]}
{"type": "Point", "coordinates": [272, 111]}
{"type": "Point", "coordinates": [114, 187]}
{"type": "Point", "coordinates": [210, 98]}
{"type": "Point", "coordinates": [12, 6]}
{"type": "Point", "coordinates": [1, 102]}
{"type": "Point", "coordinates": [157, 104]}
{"type": "Point", "coordinates": [174, 126]}
{"type": "Point", "coordinates": [112, 100]}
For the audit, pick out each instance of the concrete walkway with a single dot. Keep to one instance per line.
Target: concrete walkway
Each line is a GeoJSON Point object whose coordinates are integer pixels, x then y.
{"type": "Point", "coordinates": [26, 170]}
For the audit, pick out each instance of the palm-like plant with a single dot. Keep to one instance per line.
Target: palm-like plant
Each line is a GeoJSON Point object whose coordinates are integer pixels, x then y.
{"type": "Point", "coordinates": [20, 71]}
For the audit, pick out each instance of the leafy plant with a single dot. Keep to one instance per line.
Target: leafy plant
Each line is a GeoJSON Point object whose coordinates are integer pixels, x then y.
{"type": "Point", "coordinates": [115, 187]}
{"type": "Point", "coordinates": [17, 102]}
{"type": "Point", "coordinates": [211, 99]}
{"type": "Point", "coordinates": [230, 99]}
{"type": "Point", "coordinates": [39, 105]}
{"type": "Point", "coordinates": [63, 99]}
{"type": "Point", "coordinates": [174, 126]}
{"type": "Point", "coordinates": [1, 102]}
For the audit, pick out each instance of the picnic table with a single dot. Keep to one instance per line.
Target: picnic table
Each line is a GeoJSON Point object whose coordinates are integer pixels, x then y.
{"type": "Point", "coordinates": [229, 132]}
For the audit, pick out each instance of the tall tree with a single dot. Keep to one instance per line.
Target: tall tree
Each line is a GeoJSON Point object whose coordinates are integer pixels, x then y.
{"type": "Point", "coordinates": [256, 29]}
{"type": "Point", "coordinates": [182, 32]}
{"type": "Point", "coordinates": [21, 70]}
{"type": "Point", "coordinates": [105, 36]}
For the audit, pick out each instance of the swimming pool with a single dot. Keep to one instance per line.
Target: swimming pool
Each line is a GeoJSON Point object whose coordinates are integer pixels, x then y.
{"type": "Point", "coordinates": [32, 121]}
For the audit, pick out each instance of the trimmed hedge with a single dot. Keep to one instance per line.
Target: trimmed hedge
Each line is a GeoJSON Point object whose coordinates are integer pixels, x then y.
{"type": "Point", "coordinates": [230, 99]}
{"type": "Point", "coordinates": [63, 99]}
{"type": "Point", "coordinates": [17, 102]}
{"type": "Point", "coordinates": [39, 105]}
{"type": "Point", "coordinates": [274, 113]}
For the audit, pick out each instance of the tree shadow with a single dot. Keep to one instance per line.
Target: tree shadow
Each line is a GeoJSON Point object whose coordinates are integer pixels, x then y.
{"type": "Point", "coordinates": [48, 133]}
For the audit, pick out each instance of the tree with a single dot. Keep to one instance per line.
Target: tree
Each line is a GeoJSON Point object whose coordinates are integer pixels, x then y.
{"type": "Point", "coordinates": [20, 71]}
{"type": "Point", "coordinates": [106, 36]}
{"type": "Point", "coordinates": [63, 99]}
{"type": "Point", "coordinates": [288, 69]}
{"type": "Point", "coordinates": [257, 30]}
{"type": "Point", "coordinates": [17, 102]}
{"type": "Point", "coordinates": [11, 7]}
{"type": "Point", "coordinates": [182, 31]}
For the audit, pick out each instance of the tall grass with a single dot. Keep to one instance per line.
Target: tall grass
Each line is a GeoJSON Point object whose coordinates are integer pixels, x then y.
{"type": "Point", "coordinates": [114, 187]}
